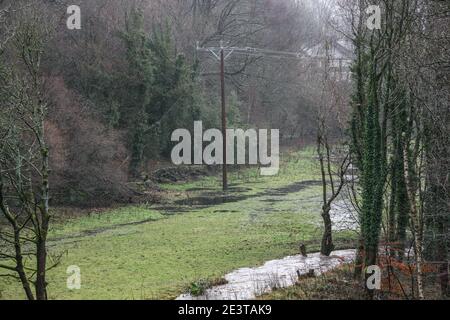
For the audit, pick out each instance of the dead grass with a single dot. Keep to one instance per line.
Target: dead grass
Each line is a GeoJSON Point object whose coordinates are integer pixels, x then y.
{"type": "Point", "coordinates": [339, 284]}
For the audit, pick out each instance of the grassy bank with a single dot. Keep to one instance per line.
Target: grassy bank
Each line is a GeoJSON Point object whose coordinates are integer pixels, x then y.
{"type": "Point", "coordinates": [340, 284]}
{"type": "Point", "coordinates": [337, 284]}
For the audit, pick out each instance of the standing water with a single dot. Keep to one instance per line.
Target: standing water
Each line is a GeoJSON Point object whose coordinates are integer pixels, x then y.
{"type": "Point", "coordinates": [248, 283]}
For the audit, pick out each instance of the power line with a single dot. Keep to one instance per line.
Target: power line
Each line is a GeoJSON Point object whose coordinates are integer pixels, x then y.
{"type": "Point", "coordinates": [261, 52]}
{"type": "Point", "coordinates": [222, 53]}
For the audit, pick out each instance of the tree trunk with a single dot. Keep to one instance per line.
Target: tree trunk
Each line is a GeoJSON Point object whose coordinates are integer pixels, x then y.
{"type": "Point", "coordinates": [20, 268]}
{"type": "Point", "coordinates": [443, 270]}
{"type": "Point", "coordinates": [41, 245]}
{"type": "Point", "coordinates": [392, 217]}
{"type": "Point", "coordinates": [41, 284]}
{"type": "Point", "coordinates": [359, 260]}
{"type": "Point", "coordinates": [327, 239]}
{"type": "Point", "coordinates": [416, 225]}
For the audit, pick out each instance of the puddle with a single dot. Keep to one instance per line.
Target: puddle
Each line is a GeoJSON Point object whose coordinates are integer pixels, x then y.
{"type": "Point", "coordinates": [218, 198]}
{"type": "Point", "coordinates": [292, 188]}
{"type": "Point", "coordinates": [210, 200]}
{"type": "Point", "coordinates": [274, 200]}
{"type": "Point", "coordinates": [94, 232]}
{"type": "Point", "coordinates": [248, 283]}
{"type": "Point", "coordinates": [170, 210]}
{"type": "Point", "coordinates": [200, 189]}
{"type": "Point", "coordinates": [214, 190]}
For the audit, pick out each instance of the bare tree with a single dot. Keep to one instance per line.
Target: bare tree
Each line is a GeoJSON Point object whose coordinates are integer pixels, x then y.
{"type": "Point", "coordinates": [24, 160]}
{"type": "Point", "coordinates": [334, 163]}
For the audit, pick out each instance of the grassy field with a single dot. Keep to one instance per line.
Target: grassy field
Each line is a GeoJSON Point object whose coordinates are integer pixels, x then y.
{"type": "Point", "coordinates": [157, 251]}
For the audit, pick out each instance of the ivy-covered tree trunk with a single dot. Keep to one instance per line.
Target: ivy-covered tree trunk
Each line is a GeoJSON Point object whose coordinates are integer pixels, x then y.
{"type": "Point", "coordinates": [372, 176]}
{"type": "Point", "coordinates": [138, 142]}
{"type": "Point", "coordinates": [137, 96]}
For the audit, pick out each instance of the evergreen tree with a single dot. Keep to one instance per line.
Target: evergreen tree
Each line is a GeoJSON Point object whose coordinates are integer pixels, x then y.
{"type": "Point", "coordinates": [138, 87]}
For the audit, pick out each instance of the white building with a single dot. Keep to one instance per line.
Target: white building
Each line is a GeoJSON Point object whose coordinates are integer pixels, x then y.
{"type": "Point", "coordinates": [339, 55]}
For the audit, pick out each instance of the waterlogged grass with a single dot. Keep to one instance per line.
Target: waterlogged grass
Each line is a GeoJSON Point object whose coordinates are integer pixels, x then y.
{"type": "Point", "coordinates": [147, 253]}
{"type": "Point", "coordinates": [294, 167]}
{"type": "Point", "coordinates": [158, 259]}
{"type": "Point", "coordinates": [99, 221]}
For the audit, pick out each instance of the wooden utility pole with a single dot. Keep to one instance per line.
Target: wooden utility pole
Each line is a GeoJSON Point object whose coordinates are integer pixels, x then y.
{"type": "Point", "coordinates": [223, 53]}
{"type": "Point", "coordinates": [224, 119]}
{"type": "Point", "coordinates": [222, 57]}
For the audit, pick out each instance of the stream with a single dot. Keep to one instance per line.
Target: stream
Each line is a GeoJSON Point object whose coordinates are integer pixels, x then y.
{"type": "Point", "coordinates": [248, 283]}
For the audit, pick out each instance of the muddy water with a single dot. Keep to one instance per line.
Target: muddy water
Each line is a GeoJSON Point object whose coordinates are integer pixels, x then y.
{"type": "Point", "coordinates": [248, 283]}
